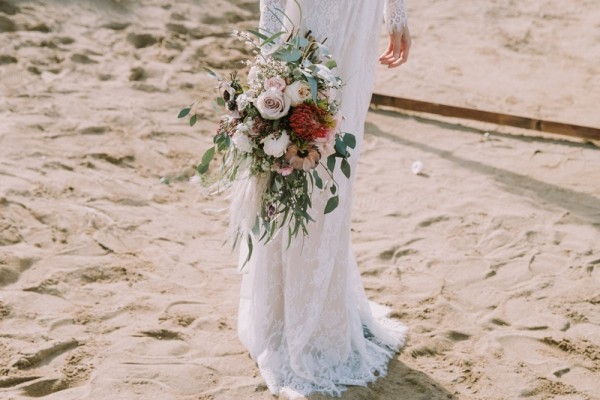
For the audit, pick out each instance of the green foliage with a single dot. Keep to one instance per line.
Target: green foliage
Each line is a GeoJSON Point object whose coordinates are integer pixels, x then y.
{"type": "Point", "coordinates": [223, 142]}
{"type": "Point", "coordinates": [250, 249]}
{"type": "Point", "coordinates": [211, 73]}
{"type": "Point", "coordinates": [183, 113]}
{"type": "Point", "coordinates": [206, 159]}
{"type": "Point", "coordinates": [331, 163]}
{"type": "Point", "coordinates": [341, 148]}
{"type": "Point", "coordinates": [291, 55]}
{"type": "Point", "coordinates": [332, 204]}
{"type": "Point", "coordinates": [345, 167]}
{"type": "Point", "coordinates": [318, 180]}
{"type": "Point", "coordinates": [350, 140]}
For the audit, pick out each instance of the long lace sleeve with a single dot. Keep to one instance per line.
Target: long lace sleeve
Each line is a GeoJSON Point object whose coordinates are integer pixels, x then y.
{"type": "Point", "coordinates": [396, 16]}
{"type": "Point", "coordinates": [271, 15]}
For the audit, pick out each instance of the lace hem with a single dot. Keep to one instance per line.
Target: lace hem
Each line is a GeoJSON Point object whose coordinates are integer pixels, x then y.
{"type": "Point", "coordinates": [360, 368]}
{"type": "Point", "coordinates": [396, 16]}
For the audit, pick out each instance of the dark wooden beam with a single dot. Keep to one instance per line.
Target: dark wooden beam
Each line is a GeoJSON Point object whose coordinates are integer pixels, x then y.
{"type": "Point", "coordinates": [584, 132]}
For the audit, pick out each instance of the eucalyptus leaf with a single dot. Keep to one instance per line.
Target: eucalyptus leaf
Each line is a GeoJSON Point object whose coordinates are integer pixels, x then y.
{"type": "Point", "coordinates": [350, 140]}
{"type": "Point", "coordinates": [333, 188]}
{"type": "Point", "coordinates": [313, 87]}
{"type": "Point", "coordinates": [271, 39]}
{"type": "Point", "coordinates": [331, 162]}
{"type": "Point", "coordinates": [332, 204]}
{"type": "Point", "coordinates": [193, 120]}
{"type": "Point", "coordinates": [221, 101]}
{"type": "Point", "coordinates": [289, 55]}
{"type": "Point", "coordinates": [256, 227]}
{"type": "Point", "coordinates": [341, 147]}
{"type": "Point", "coordinates": [223, 142]}
{"type": "Point", "coordinates": [331, 64]}
{"type": "Point", "coordinates": [345, 167]}
{"type": "Point", "coordinates": [210, 72]}
{"type": "Point", "coordinates": [318, 180]}
{"type": "Point", "coordinates": [250, 248]}
{"type": "Point", "coordinates": [258, 34]}
{"type": "Point", "coordinates": [184, 112]}
{"type": "Point", "coordinates": [266, 234]}
{"type": "Point", "coordinates": [208, 155]}
{"type": "Point", "coordinates": [206, 159]}
{"type": "Point", "coordinates": [302, 41]}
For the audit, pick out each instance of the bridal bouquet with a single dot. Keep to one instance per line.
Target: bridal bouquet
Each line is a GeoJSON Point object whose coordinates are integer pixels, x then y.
{"type": "Point", "coordinates": [278, 139]}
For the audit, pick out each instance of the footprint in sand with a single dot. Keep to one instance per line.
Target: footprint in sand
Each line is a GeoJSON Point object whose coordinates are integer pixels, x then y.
{"type": "Point", "coordinates": [7, 24]}
{"type": "Point", "coordinates": [141, 40]}
{"type": "Point", "coordinates": [12, 267]}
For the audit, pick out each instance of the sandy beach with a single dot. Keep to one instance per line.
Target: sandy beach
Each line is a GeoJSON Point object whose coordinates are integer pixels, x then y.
{"type": "Point", "coordinates": [114, 283]}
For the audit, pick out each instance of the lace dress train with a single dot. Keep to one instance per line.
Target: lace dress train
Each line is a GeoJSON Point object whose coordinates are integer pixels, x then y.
{"type": "Point", "coordinates": [304, 315]}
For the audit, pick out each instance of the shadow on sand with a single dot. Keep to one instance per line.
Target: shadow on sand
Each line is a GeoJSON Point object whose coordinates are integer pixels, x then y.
{"type": "Point", "coordinates": [582, 205]}
{"type": "Point", "coordinates": [400, 383]}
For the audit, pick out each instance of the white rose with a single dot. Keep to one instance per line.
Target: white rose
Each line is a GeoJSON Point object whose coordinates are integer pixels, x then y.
{"type": "Point", "coordinates": [298, 92]}
{"type": "Point", "coordinates": [275, 82]}
{"type": "Point", "coordinates": [244, 99]}
{"type": "Point", "coordinates": [276, 147]}
{"type": "Point", "coordinates": [242, 141]}
{"type": "Point", "coordinates": [272, 104]}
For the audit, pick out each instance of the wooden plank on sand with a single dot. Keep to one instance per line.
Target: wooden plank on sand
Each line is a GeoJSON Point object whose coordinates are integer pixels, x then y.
{"type": "Point", "coordinates": [584, 132]}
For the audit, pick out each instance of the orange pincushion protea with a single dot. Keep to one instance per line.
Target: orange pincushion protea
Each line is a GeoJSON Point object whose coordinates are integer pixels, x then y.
{"type": "Point", "coordinates": [310, 122]}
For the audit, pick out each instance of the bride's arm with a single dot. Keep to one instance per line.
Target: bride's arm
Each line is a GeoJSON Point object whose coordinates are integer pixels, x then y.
{"type": "Point", "coordinates": [399, 42]}
{"type": "Point", "coordinates": [271, 15]}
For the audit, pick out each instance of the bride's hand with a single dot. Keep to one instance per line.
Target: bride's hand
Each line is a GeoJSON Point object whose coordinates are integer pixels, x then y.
{"type": "Point", "coordinates": [398, 49]}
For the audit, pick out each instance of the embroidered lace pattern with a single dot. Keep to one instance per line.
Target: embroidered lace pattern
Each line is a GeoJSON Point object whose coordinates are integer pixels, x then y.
{"type": "Point", "coordinates": [396, 16]}
{"type": "Point", "coordinates": [271, 15]}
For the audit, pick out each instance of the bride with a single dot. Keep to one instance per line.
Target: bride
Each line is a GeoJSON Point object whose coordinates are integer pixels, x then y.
{"type": "Point", "coordinates": [304, 315]}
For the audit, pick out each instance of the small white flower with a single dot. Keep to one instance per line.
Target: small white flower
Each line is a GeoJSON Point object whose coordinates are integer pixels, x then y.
{"type": "Point", "coordinates": [253, 74]}
{"type": "Point", "coordinates": [242, 141]}
{"type": "Point", "coordinates": [227, 88]}
{"type": "Point", "coordinates": [244, 99]}
{"type": "Point", "coordinates": [417, 167]}
{"type": "Point", "coordinates": [272, 104]}
{"type": "Point", "coordinates": [246, 127]}
{"type": "Point", "coordinates": [276, 147]}
{"type": "Point", "coordinates": [298, 92]}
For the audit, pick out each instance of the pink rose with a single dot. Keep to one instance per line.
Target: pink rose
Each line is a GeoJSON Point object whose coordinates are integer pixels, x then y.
{"type": "Point", "coordinates": [272, 104]}
{"type": "Point", "coordinates": [275, 82]}
{"type": "Point", "coordinates": [285, 171]}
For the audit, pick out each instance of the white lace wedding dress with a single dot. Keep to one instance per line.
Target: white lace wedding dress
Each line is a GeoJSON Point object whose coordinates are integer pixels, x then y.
{"type": "Point", "coordinates": [304, 315]}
